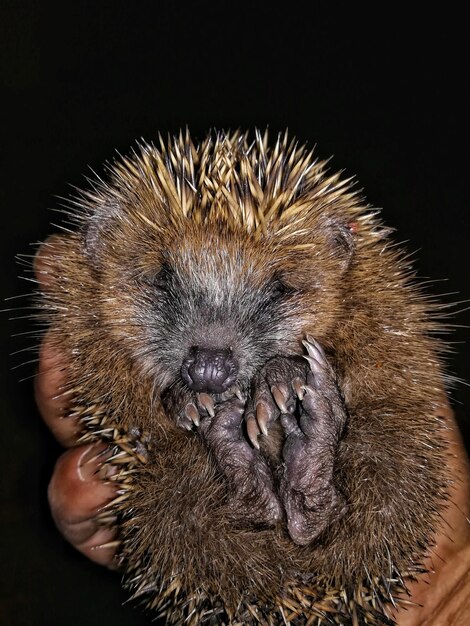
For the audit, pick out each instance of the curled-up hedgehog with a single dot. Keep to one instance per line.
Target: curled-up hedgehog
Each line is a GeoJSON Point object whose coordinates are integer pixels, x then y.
{"type": "Point", "coordinates": [259, 358]}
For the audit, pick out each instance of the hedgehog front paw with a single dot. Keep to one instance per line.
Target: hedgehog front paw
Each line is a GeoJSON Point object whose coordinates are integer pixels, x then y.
{"type": "Point", "coordinates": [219, 421]}
{"type": "Point", "coordinates": [252, 496]}
{"type": "Point", "coordinates": [310, 498]}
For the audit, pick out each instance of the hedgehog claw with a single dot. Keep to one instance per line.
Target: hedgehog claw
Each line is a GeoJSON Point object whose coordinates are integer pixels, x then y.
{"type": "Point", "coordinates": [279, 398]}
{"type": "Point", "coordinates": [237, 392]}
{"type": "Point", "coordinates": [298, 388]}
{"type": "Point", "coordinates": [252, 430]}
{"type": "Point", "coordinates": [192, 414]}
{"type": "Point", "coordinates": [317, 345]}
{"type": "Point", "coordinates": [262, 417]}
{"type": "Point", "coordinates": [315, 350]}
{"type": "Point", "coordinates": [315, 365]}
{"type": "Point", "coordinates": [207, 403]}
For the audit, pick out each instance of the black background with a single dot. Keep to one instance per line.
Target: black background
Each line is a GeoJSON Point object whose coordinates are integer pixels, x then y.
{"type": "Point", "coordinates": [383, 91]}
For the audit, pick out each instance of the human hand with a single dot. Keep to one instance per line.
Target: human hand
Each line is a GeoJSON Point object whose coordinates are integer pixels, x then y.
{"type": "Point", "coordinates": [78, 489]}
{"type": "Point", "coordinates": [442, 597]}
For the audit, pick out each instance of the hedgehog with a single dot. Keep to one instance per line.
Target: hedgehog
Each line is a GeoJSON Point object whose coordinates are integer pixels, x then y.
{"type": "Point", "coordinates": [263, 365]}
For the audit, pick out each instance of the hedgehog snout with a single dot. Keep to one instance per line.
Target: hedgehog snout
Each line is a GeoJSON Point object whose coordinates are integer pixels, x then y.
{"type": "Point", "coordinates": [209, 369]}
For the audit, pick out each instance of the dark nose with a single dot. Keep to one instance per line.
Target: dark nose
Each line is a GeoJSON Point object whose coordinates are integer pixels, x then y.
{"type": "Point", "coordinates": [209, 370]}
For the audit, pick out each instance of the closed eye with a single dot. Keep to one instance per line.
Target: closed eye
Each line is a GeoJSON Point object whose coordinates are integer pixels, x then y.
{"type": "Point", "coordinates": [162, 279]}
{"type": "Point", "coordinates": [156, 280]}
{"type": "Point", "coordinates": [279, 289]}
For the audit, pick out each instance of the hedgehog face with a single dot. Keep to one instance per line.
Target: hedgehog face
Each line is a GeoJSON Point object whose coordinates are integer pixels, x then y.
{"type": "Point", "coordinates": [215, 298]}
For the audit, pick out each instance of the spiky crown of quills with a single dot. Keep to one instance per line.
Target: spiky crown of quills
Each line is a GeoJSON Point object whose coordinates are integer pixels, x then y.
{"type": "Point", "coordinates": [232, 180]}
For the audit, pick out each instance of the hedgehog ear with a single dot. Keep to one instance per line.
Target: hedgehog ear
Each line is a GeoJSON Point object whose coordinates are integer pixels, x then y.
{"type": "Point", "coordinates": [92, 235]}
{"type": "Point", "coordinates": [96, 228]}
{"type": "Point", "coordinates": [342, 241]}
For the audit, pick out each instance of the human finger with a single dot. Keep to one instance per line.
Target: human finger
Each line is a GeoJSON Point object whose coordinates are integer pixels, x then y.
{"type": "Point", "coordinates": [50, 380]}
{"type": "Point", "coordinates": [51, 397]}
{"type": "Point", "coordinates": [78, 491]}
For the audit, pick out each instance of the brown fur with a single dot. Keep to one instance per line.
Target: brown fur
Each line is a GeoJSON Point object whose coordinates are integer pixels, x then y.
{"type": "Point", "coordinates": [247, 213]}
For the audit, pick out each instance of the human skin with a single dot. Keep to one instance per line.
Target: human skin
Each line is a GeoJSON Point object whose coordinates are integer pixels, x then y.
{"type": "Point", "coordinates": [79, 489]}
